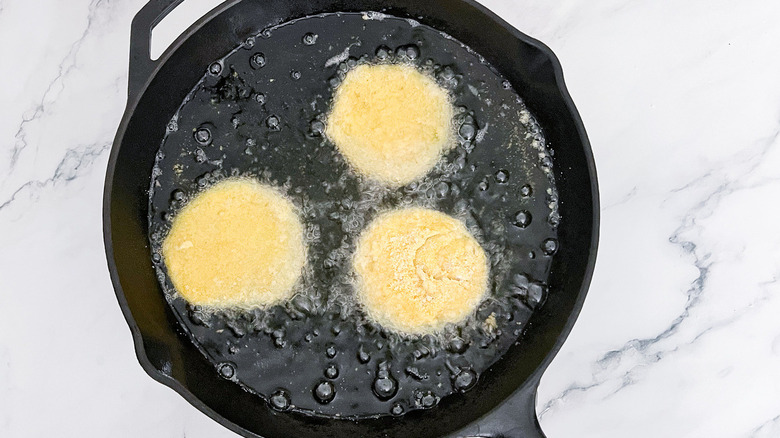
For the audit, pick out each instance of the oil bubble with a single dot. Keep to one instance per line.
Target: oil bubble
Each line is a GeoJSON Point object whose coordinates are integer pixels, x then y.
{"type": "Point", "coordinates": [522, 219]}
{"type": "Point", "coordinates": [467, 131]}
{"type": "Point", "coordinates": [412, 52]}
{"type": "Point", "coordinates": [215, 68]}
{"type": "Point", "coordinates": [460, 162]}
{"type": "Point", "coordinates": [554, 219]}
{"type": "Point", "coordinates": [178, 196]}
{"type": "Point", "coordinates": [317, 128]}
{"type": "Point", "coordinates": [226, 370]}
{"type": "Point", "coordinates": [502, 176]}
{"type": "Point", "coordinates": [331, 351]}
{"type": "Point", "coordinates": [272, 122]}
{"type": "Point", "coordinates": [260, 98]}
{"type": "Point", "coordinates": [302, 304]}
{"type": "Point", "coordinates": [457, 345]}
{"type": "Point", "coordinates": [550, 246]}
{"type": "Point", "coordinates": [257, 61]}
{"type": "Point", "coordinates": [526, 191]}
{"type": "Point", "coordinates": [362, 355]}
{"type": "Point", "coordinates": [331, 371]}
{"type": "Point", "coordinates": [397, 409]}
{"type": "Point", "coordinates": [295, 75]}
{"type": "Point", "coordinates": [383, 53]}
{"type": "Point", "coordinates": [310, 39]}
{"type": "Point", "coordinates": [535, 295]}
{"type": "Point", "coordinates": [464, 380]}
{"type": "Point", "coordinates": [546, 162]}
{"type": "Point", "coordinates": [324, 392]}
{"type": "Point", "coordinates": [200, 155]}
{"type": "Point", "coordinates": [441, 189]}
{"type": "Point", "coordinates": [203, 136]}
{"type": "Point", "coordinates": [384, 386]}
{"type": "Point", "coordinates": [447, 74]}
{"type": "Point", "coordinates": [280, 400]}
{"type": "Point", "coordinates": [278, 336]}
{"type": "Point", "coordinates": [426, 400]}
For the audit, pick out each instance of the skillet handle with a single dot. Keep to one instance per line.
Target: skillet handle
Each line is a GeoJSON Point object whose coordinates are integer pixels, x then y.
{"type": "Point", "coordinates": [514, 418]}
{"type": "Point", "coordinates": [523, 422]}
{"type": "Point", "coordinates": [141, 64]}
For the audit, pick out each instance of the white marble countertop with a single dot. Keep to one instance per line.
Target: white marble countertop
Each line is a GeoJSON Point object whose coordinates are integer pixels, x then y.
{"type": "Point", "coordinates": [680, 334]}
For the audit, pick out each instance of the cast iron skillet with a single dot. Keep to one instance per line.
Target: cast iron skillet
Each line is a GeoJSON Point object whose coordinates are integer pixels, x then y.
{"type": "Point", "coordinates": [502, 404]}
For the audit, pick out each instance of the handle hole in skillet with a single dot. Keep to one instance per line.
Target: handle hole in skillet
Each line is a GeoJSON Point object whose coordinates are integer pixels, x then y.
{"type": "Point", "coordinates": [176, 22]}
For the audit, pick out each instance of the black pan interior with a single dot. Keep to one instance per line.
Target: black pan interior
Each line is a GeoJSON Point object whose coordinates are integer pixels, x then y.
{"type": "Point", "coordinates": [166, 350]}
{"type": "Point", "coordinates": [259, 112]}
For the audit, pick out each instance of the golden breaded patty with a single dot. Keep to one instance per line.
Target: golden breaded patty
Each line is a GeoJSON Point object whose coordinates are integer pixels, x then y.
{"type": "Point", "coordinates": [239, 244]}
{"type": "Point", "coordinates": [419, 269]}
{"type": "Point", "coordinates": [391, 122]}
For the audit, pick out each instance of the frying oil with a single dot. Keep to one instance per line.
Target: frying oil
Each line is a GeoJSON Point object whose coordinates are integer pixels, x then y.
{"type": "Point", "coordinates": [261, 112]}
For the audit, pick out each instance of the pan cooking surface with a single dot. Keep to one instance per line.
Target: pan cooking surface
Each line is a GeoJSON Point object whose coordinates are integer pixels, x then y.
{"type": "Point", "coordinates": [260, 112]}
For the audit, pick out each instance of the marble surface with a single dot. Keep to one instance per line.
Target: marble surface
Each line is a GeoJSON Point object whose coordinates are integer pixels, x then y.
{"type": "Point", "coordinates": [680, 334]}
